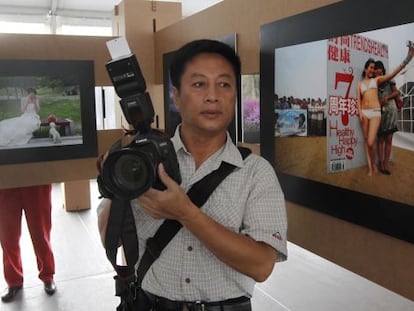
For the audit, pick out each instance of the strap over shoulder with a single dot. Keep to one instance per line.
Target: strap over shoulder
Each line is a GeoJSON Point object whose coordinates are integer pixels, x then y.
{"type": "Point", "coordinates": [244, 151]}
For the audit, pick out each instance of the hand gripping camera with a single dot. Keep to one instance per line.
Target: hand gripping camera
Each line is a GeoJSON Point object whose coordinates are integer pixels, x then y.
{"type": "Point", "coordinates": [128, 171]}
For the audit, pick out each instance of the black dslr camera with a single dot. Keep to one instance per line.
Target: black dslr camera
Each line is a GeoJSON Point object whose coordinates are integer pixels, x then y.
{"type": "Point", "coordinates": [128, 171]}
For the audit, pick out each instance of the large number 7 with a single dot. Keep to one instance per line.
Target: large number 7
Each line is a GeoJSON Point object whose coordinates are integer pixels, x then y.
{"type": "Point", "coordinates": [346, 78]}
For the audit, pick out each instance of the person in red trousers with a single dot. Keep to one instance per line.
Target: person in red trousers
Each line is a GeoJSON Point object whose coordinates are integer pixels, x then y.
{"type": "Point", "coordinates": [35, 202]}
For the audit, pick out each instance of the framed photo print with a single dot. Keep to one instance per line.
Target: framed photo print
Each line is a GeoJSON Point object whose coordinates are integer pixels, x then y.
{"type": "Point", "coordinates": [311, 64]}
{"type": "Point", "coordinates": [47, 110]}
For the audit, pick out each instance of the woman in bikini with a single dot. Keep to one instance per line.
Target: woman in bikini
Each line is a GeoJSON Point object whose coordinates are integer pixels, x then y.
{"type": "Point", "coordinates": [369, 108]}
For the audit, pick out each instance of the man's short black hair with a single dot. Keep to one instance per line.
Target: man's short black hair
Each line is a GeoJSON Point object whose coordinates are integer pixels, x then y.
{"type": "Point", "coordinates": [190, 50]}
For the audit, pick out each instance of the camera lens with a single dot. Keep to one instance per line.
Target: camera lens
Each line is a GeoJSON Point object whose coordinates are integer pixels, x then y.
{"type": "Point", "coordinates": [129, 174]}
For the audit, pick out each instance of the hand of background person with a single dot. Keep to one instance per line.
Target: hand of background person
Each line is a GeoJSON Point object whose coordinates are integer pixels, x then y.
{"type": "Point", "coordinates": [361, 116]}
{"type": "Point", "coordinates": [411, 52]}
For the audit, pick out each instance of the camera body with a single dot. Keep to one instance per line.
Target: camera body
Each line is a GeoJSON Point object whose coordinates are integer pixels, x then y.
{"type": "Point", "coordinates": [128, 171]}
{"type": "Point", "coordinates": [131, 170]}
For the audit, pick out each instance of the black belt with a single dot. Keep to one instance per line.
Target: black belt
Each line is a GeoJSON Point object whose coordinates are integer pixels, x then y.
{"type": "Point", "coordinates": [235, 304]}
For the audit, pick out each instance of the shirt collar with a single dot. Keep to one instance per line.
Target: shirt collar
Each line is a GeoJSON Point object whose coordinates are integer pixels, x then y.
{"type": "Point", "coordinates": [227, 153]}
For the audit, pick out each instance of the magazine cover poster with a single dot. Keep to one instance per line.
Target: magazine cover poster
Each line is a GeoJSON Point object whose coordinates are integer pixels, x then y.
{"type": "Point", "coordinates": [346, 57]}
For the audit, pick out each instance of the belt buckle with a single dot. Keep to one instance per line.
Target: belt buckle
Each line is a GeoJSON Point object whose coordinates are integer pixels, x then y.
{"type": "Point", "coordinates": [201, 306]}
{"type": "Point", "coordinates": [196, 306]}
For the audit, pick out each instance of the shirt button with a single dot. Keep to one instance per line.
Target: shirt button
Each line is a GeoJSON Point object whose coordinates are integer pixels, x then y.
{"type": "Point", "coordinates": [190, 248]}
{"type": "Point", "coordinates": [187, 280]}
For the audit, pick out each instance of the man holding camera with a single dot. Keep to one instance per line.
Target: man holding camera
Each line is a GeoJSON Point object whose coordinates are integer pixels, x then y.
{"type": "Point", "coordinates": [237, 236]}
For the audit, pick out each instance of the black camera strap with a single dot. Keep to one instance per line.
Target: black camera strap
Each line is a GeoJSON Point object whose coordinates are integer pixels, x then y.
{"type": "Point", "coordinates": [121, 226]}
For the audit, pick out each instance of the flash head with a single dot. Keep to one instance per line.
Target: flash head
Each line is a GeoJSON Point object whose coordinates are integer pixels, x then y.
{"type": "Point", "coordinates": [130, 86]}
{"type": "Point", "coordinates": [126, 76]}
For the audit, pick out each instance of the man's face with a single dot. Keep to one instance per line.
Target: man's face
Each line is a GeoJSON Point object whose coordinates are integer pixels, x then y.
{"type": "Point", "coordinates": [206, 100]}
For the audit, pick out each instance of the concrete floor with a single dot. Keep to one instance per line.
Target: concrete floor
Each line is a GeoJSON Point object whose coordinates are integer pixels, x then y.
{"type": "Point", "coordinates": [84, 276]}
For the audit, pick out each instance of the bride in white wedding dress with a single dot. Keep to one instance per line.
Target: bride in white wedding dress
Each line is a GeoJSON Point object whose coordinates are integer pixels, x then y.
{"type": "Point", "coordinates": [19, 130]}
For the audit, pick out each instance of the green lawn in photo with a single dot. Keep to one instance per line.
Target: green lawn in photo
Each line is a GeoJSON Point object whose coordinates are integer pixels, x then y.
{"type": "Point", "coordinates": [63, 102]}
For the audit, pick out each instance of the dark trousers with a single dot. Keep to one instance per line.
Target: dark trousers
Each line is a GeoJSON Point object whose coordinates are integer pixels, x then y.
{"type": "Point", "coordinates": [37, 206]}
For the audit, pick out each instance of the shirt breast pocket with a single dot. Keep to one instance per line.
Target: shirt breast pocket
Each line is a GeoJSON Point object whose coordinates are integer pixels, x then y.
{"type": "Point", "coordinates": [227, 208]}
